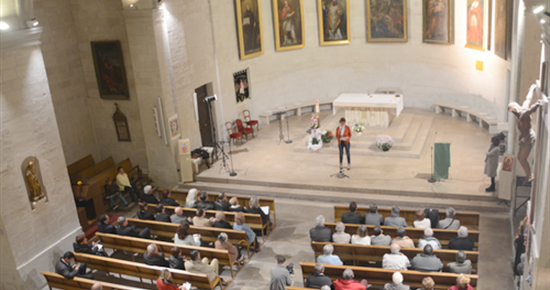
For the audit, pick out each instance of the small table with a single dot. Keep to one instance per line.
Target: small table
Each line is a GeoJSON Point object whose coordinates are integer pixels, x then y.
{"type": "Point", "coordinates": [375, 110]}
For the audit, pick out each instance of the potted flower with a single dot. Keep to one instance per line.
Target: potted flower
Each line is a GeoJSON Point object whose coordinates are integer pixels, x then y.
{"type": "Point", "coordinates": [384, 142]}
{"type": "Point", "coordinates": [314, 143]}
{"type": "Point", "coordinates": [313, 124]}
{"type": "Point", "coordinates": [359, 127]}
{"type": "Point", "coordinates": [327, 136]}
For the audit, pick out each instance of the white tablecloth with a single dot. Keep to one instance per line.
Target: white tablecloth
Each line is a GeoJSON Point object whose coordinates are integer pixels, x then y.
{"type": "Point", "coordinates": [375, 110]}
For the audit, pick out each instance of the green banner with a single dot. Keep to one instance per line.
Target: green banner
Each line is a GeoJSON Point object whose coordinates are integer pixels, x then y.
{"type": "Point", "coordinates": [442, 160]}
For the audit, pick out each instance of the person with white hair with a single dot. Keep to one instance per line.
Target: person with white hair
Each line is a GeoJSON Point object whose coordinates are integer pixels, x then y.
{"type": "Point", "coordinates": [348, 283]}
{"type": "Point", "coordinates": [340, 236]}
{"type": "Point", "coordinates": [148, 196]}
{"type": "Point", "coordinates": [328, 258]}
{"type": "Point", "coordinates": [395, 260]}
{"type": "Point", "coordinates": [449, 223]}
{"type": "Point", "coordinates": [153, 257]}
{"type": "Point", "coordinates": [223, 244]}
{"type": "Point", "coordinates": [397, 283]}
{"type": "Point", "coordinates": [191, 199]}
{"type": "Point", "coordinates": [178, 217]}
{"type": "Point", "coordinates": [429, 239]}
{"type": "Point", "coordinates": [97, 286]}
{"type": "Point", "coordinates": [462, 241]}
{"type": "Point", "coordinates": [318, 279]}
{"type": "Point", "coordinates": [326, 287]}
{"type": "Point", "coordinates": [394, 220]}
{"type": "Point", "coordinates": [320, 233]}
{"type": "Point", "coordinates": [462, 265]}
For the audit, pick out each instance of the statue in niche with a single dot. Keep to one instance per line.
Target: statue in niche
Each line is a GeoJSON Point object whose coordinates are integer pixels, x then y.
{"type": "Point", "coordinates": [527, 135]}
{"type": "Point", "coordinates": [33, 181]}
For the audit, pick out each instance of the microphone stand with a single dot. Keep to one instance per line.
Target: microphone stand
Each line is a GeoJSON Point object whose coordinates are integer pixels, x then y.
{"type": "Point", "coordinates": [340, 174]}
{"type": "Point", "coordinates": [432, 179]}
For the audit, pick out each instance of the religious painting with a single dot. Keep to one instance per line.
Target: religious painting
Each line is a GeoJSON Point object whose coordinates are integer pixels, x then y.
{"type": "Point", "coordinates": [476, 24]}
{"type": "Point", "coordinates": [289, 24]}
{"type": "Point", "coordinates": [502, 28]}
{"type": "Point", "coordinates": [240, 80]}
{"type": "Point", "coordinates": [438, 21]}
{"type": "Point", "coordinates": [30, 168]}
{"type": "Point", "coordinates": [249, 28]}
{"type": "Point", "coordinates": [333, 22]}
{"type": "Point", "coordinates": [387, 20]}
{"type": "Point", "coordinates": [184, 146]}
{"type": "Point", "coordinates": [109, 70]}
{"type": "Point", "coordinates": [121, 125]}
{"type": "Point", "coordinates": [174, 127]}
{"type": "Point", "coordinates": [507, 164]}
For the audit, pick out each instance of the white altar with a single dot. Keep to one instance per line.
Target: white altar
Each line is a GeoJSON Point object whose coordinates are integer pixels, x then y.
{"type": "Point", "coordinates": [375, 110]}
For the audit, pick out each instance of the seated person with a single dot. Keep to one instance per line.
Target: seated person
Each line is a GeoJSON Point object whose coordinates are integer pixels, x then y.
{"type": "Point", "coordinates": [176, 260]}
{"type": "Point", "coordinates": [164, 281]}
{"type": "Point", "coordinates": [361, 237]}
{"type": "Point", "coordinates": [200, 220]}
{"type": "Point", "coordinates": [153, 257]}
{"type": "Point", "coordinates": [462, 241]}
{"type": "Point", "coordinates": [462, 283]}
{"type": "Point", "coordinates": [124, 230]}
{"type": "Point", "coordinates": [178, 216]}
{"type": "Point", "coordinates": [125, 185]}
{"type": "Point", "coordinates": [328, 258]}
{"type": "Point", "coordinates": [191, 199]}
{"type": "Point", "coordinates": [429, 239]}
{"type": "Point", "coordinates": [340, 236]}
{"type": "Point", "coordinates": [196, 265]}
{"type": "Point", "coordinates": [182, 237]}
{"type": "Point", "coordinates": [347, 282]}
{"type": "Point", "coordinates": [148, 196]}
{"type": "Point", "coordinates": [98, 286]}
{"type": "Point", "coordinates": [379, 239]}
{"type": "Point", "coordinates": [280, 275]}
{"type": "Point", "coordinates": [222, 203]}
{"type": "Point", "coordinates": [113, 191]}
{"type": "Point", "coordinates": [449, 223]}
{"type": "Point", "coordinates": [421, 221]}
{"type": "Point", "coordinates": [352, 217]}
{"type": "Point", "coordinates": [235, 206]}
{"type": "Point", "coordinates": [204, 202]}
{"type": "Point", "coordinates": [397, 283]}
{"type": "Point", "coordinates": [81, 246]}
{"type": "Point", "coordinates": [64, 268]}
{"type": "Point", "coordinates": [427, 261]}
{"type": "Point", "coordinates": [254, 208]}
{"type": "Point", "coordinates": [402, 239]}
{"type": "Point", "coordinates": [318, 278]}
{"type": "Point", "coordinates": [373, 218]}
{"type": "Point", "coordinates": [220, 221]}
{"type": "Point", "coordinates": [143, 213]}
{"type": "Point", "coordinates": [320, 233]}
{"type": "Point", "coordinates": [161, 216]}
{"type": "Point", "coordinates": [461, 266]}
{"type": "Point", "coordinates": [166, 199]}
{"type": "Point", "coordinates": [394, 220]}
{"type": "Point", "coordinates": [103, 225]}
{"type": "Point", "coordinates": [240, 225]}
{"type": "Point", "coordinates": [395, 260]}
{"type": "Point", "coordinates": [427, 283]}
{"type": "Point", "coordinates": [223, 244]}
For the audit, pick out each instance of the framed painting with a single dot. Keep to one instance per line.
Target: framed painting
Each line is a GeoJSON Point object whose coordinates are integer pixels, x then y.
{"type": "Point", "coordinates": [333, 22]}
{"type": "Point", "coordinates": [240, 80]}
{"type": "Point", "coordinates": [437, 21]}
{"type": "Point", "coordinates": [110, 70]}
{"type": "Point", "coordinates": [174, 127]}
{"type": "Point", "coordinates": [476, 24]}
{"type": "Point", "coordinates": [387, 21]}
{"type": "Point", "coordinates": [289, 24]}
{"type": "Point", "coordinates": [249, 28]}
{"type": "Point", "coordinates": [502, 28]}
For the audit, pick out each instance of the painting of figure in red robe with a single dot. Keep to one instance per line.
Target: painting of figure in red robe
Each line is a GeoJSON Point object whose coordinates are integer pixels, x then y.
{"type": "Point", "coordinates": [475, 32]}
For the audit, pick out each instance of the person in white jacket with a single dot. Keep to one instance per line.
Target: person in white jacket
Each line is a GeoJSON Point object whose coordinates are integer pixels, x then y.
{"type": "Point", "coordinates": [491, 162]}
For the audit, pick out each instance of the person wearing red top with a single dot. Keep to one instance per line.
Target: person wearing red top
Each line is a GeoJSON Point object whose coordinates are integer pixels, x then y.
{"type": "Point", "coordinates": [347, 282]}
{"type": "Point", "coordinates": [164, 283]}
{"type": "Point", "coordinates": [343, 135]}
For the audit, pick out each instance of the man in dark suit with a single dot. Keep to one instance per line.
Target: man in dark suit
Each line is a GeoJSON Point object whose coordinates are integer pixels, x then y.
{"type": "Point", "coordinates": [124, 230]}
{"type": "Point", "coordinates": [81, 246]}
{"type": "Point", "coordinates": [161, 216]}
{"type": "Point", "coordinates": [63, 267]}
{"type": "Point", "coordinates": [143, 213]}
{"type": "Point", "coordinates": [103, 225]}
{"type": "Point", "coordinates": [373, 218]}
{"type": "Point", "coordinates": [320, 233]}
{"type": "Point", "coordinates": [204, 203]}
{"type": "Point", "coordinates": [222, 203]}
{"type": "Point", "coordinates": [153, 257]}
{"type": "Point", "coordinates": [148, 196]}
{"type": "Point", "coordinates": [352, 217]}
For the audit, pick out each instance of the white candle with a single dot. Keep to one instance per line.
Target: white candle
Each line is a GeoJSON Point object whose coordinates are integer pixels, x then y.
{"type": "Point", "coordinates": [317, 106]}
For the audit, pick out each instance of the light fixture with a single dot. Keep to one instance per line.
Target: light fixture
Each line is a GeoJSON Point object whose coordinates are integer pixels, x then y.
{"type": "Point", "coordinates": [4, 25]}
{"type": "Point", "coordinates": [210, 98]}
{"type": "Point", "coordinates": [542, 21]}
{"type": "Point", "coordinates": [32, 23]}
{"type": "Point", "coordinates": [132, 5]}
{"type": "Point", "coordinates": [538, 9]}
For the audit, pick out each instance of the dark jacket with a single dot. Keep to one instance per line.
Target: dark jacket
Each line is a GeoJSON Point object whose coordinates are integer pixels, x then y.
{"type": "Point", "coordinates": [156, 260]}
{"type": "Point", "coordinates": [65, 270]}
{"type": "Point", "coordinates": [222, 225]}
{"type": "Point", "coordinates": [106, 228]}
{"type": "Point", "coordinates": [162, 217]}
{"type": "Point", "coordinates": [237, 209]}
{"type": "Point", "coordinates": [111, 189]}
{"type": "Point", "coordinates": [149, 198]}
{"type": "Point", "coordinates": [221, 205]}
{"type": "Point", "coordinates": [426, 263]}
{"type": "Point", "coordinates": [320, 234]}
{"type": "Point", "coordinates": [169, 201]}
{"type": "Point", "coordinates": [352, 218]}
{"type": "Point", "coordinates": [465, 244]}
{"type": "Point", "coordinates": [374, 219]}
{"type": "Point", "coordinates": [206, 205]}
{"type": "Point", "coordinates": [176, 262]}
{"type": "Point", "coordinates": [128, 231]}
{"type": "Point", "coordinates": [265, 218]}
{"type": "Point", "coordinates": [145, 215]}
{"type": "Point", "coordinates": [317, 281]}
{"type": "Point", "coordinates": [84, 248]}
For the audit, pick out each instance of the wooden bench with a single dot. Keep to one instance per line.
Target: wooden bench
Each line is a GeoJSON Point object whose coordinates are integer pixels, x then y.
{"type": "Point", "coordinates": [59, 282]}
{"type": "Point", "coordinates": [144, 271]}
{"type": "Point", "coordinates": [294, 107]}
{"type": "Point", "coordinates": [297, 288]}
{"type": "Point", "coordinates": [380, 277]}
{"type": "Point", "coordinates": [79, 166]}
{"type": "Point", "coordinates": [483, 119]}
{"type": "Point", "coordinates": [361, 253]}
{"type": "Point", "coordinates": [138, 245]}
{"type": "Point", "coordinates": [467, 219]}
{"type": "Point", "coordinates": [444, 236]}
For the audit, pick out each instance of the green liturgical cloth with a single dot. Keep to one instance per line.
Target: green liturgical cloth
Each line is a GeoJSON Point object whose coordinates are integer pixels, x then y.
{"type": "Point", "coordinates": [442, 160]}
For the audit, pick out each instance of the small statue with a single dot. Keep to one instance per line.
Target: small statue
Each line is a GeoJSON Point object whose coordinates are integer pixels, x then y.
{"type": "Point", "coordinates": [35, 189]}
{"type": "Point", "coordinates": [527, 135]}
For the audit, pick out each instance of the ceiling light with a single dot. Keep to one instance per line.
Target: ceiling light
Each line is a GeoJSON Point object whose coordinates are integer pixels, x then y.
{"type": "Point", "coordinates": [4, 25]}
{"type": "Point", "coordinates": [538, 10]}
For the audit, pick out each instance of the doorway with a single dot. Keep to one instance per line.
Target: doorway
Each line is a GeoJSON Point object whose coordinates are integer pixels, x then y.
{"type": "Point", "coordinates": [205, 122]}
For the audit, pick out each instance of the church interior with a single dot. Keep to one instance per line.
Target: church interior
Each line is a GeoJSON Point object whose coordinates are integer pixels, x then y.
{"type": "Point", "coordinates": [112, 108]}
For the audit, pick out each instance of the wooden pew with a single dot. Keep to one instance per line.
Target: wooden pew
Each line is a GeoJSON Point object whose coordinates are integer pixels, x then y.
{"type": "Point", "coordinates": [168, 230]}
{"type": "Point", "coordinates": [144, 271]}
{"type": "Point", "coordinates": [59, 282]}
{"type": "Point", "coordinates": [467, 219]}
{"type": "Point", "coordinates": [376, 276]}
{"type": "Point", "coordinates": [134, 172]}
{"type": "Point", "coordinates": [79, 166]}
{"type": "Point", "coordinates": [361, 253]}
{"type": "Point", "coordinates": [444, 236]}
{"type": "Point", "coordinates": [138, 245]}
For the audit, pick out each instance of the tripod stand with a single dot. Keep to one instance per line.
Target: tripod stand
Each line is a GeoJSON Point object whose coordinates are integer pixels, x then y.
{"type": "Point", "coordinates": [220, 151]}
{"type": "Point", "coordinates": [340, 174]}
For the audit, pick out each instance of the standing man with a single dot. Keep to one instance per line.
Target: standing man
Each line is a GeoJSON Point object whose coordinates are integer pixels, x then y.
{"type": "Point", "coordinates": [280, 276]}
{"type": "Point", "coordinates": [343, 135]}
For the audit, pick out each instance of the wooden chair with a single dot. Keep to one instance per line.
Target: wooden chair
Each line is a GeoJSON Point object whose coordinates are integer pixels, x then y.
{"type": "Point", "coordinates": [244, 130]}
{"type": "Point", "coordinates": [248, 120]}
{"type": "Point", "coordinates": [233, 135]}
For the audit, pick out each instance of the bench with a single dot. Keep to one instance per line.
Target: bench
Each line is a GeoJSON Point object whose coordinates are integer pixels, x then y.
{"type": "Point", "coordinates": [380, 277]}
{"type": "Point", "coordinates": [294, 107]}
{"type": "Point", "coordinates": [467, 219]}
{"type": "Point", "coordinates": [470, 114]}
{"type": "Point", "coordinates": [138, 245]}
{"type": "Point", "coordinates": [444, 236]}
{"type": "Point", "coordinates": [57, 281]}
{"type": "Point", "coordinates": [361, 253]}
{"type": "Point", "coordinates": [144, 271]}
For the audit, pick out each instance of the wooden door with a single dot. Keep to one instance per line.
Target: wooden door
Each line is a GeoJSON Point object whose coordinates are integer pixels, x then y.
{"type": "Point", "coordinates": [204, 117]}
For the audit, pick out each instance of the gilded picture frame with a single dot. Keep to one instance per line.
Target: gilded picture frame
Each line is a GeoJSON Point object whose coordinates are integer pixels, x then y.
{"type": "Point", "coordinates": [249, 28]}
{"type": "Point", "coordinates": [502, 28]}
{"type": "Point", "coordinates": [476, 24]}
{"type": "Point", "coordinates": [387, 23]}
{"type": "Point", "coordinates": [334, 27]}
{"type": "Point", "coordinates": [110, 70]}
{"type": "Point", "coordinates": [288, 21]}
{"type": "Point", "coordinates": [437, 21]}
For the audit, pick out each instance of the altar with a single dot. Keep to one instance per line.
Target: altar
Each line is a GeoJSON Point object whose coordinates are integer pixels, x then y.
{"type": "Point", "coordinates": [374, 110]}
